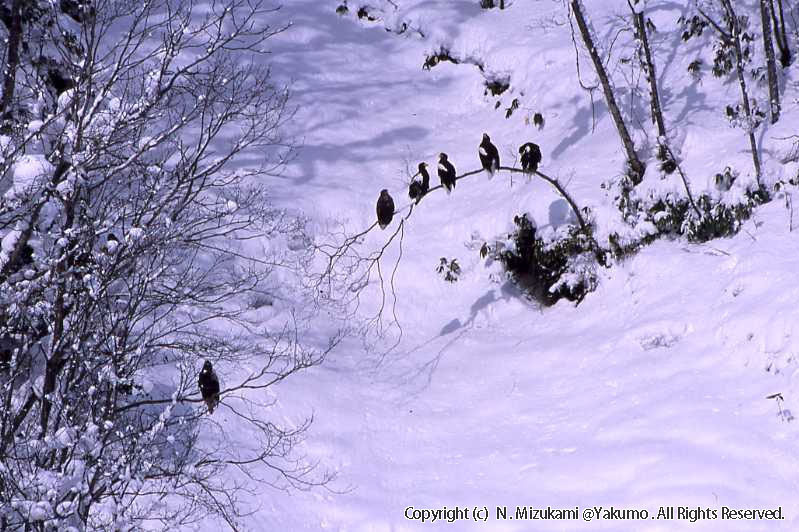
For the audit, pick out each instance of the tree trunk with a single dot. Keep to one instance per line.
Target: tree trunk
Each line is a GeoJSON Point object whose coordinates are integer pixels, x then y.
{"type": "Point", "coordinates": [771, 64]}
{"type": "Point", "coordinates": [654, 93]}
{"type": "Point", "coordinates": [735, 31]}
{"type": "Point", "coordinates": [780, 34]}
{"type": "Point", "coordinates": [635, 163]}
{"type": "Point", "coordinates": [657, 111]}
{"type": "Point", "coordinates": [12, 59]}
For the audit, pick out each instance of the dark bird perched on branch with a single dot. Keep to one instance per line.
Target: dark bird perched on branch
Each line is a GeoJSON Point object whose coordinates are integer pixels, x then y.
{"type": "Point", "coordinates": [425, 177]}
{"type": "Point", "coordinates": [209, 386]}
{"type": "Point", "coordinates": [419, 189]}
{"type": "Point", "coordinates": [489, 156]}
{"type": "Point", "coordinates": [385, 209]}
{"type": "Point", "coordinates": [446, 172]}
{"type": "Point", "coordinates": [415, 191]}
{"type": "Point", "coordinates": [538, 120]}
{"type": "Point", "coordinates": [531, 157]}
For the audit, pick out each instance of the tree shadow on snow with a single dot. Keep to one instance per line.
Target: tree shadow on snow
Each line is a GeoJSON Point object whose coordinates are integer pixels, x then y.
{"type": "Point", "coordinates": [582, 121]}
{"type": "Point", "coordinates": [335, 64]}
{"type": "Point", "coordinates": [315, 158]}
{"type": "Point", "coordinates": [419, 377]}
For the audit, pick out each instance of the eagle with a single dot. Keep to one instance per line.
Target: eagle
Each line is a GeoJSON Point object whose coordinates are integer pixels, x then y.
{"type": "Point", "coordinates": [531, 157]}
{"type": "Point", "coordinates": [446, 172]}
{"type": "Point", "coordinates": [385, 209]}
{"type": "Point", "coordinates": [418, 189]}
{"type": "Point", "coordinates": [489, 156]}
{"type": "Point", "coordinates": [209, 386]}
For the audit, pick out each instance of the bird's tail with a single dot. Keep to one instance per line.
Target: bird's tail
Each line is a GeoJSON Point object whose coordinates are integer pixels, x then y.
{"type": "Point", "coordinates": [211, 403]}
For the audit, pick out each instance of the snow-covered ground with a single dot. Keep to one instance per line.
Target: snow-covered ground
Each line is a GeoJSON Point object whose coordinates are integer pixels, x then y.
{"type": "Point", "coordinates": [652, 393]}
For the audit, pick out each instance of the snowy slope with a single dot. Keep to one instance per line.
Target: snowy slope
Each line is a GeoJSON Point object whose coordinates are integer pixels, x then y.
{"type": "Point", "coordinates": [651, 393]}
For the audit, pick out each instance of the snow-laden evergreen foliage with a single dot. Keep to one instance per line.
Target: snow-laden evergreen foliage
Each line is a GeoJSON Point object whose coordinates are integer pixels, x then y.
{"type": "Point", "coordinates": [562, 266]}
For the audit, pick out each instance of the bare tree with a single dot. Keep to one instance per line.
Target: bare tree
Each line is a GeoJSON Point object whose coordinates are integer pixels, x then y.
{"type": "Point", "coordinates": [766, 16]}
{"type": "Point", "coordinates": [665, 154]}
{"type": "Point", "coordinates": [732, 37]}
{"type": "Point", "coordinates": [634, 162]}
{"type": "Point", "coordinates": [127, 228]}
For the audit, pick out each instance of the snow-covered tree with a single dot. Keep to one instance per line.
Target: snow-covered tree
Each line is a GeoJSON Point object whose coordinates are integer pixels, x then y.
{"type": "Point", "coordinates": [42, 41]}
{"type": "Point", "coordinates": [127, 226]}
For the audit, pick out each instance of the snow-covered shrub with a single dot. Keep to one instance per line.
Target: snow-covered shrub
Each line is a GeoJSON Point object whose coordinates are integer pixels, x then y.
{"type": "Point", "coordinates": [513, 106]}
{"type": "Point", "coordinates": [561, 265]}
{"type": "Point", "coordinates": [491, 4]}
{"type": "Point", "coordinates": [660, 206]}
{"type": "Point", "coordinates": [364, 14]}
{"type": "Point", "coordinates": [496, 85]}
{"type": "Point", "coordinates": [435, 57]}
{"type": "Point", "coordinates": [723, 53]}
{"type": "Point", "coordinates": [450, 271]}
{"type": "Point", "coordinates": [721, 217]}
